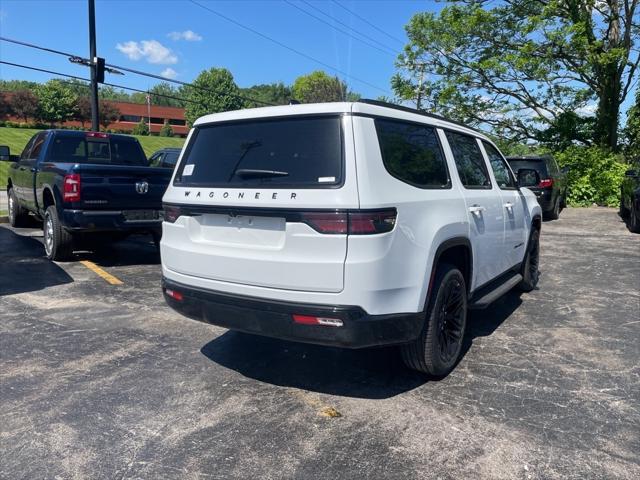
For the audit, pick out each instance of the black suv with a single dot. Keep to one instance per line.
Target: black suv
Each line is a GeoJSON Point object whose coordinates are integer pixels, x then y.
{"type": "Point", "coordinates": [630, 197]}
{"type": "Point", "coordinates": [552, 189]}
{"type": "Point", "coordinates": [165, 158]}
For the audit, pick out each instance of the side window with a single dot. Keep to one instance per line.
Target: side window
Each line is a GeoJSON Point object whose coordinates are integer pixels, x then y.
{"type": "Point", "coordinates": [25, 152]}
{"type": "Point", "coordinates": [411, 153]}
{"type": "Point", "coordinates": [37, 145]}
{"type": "Point", "coordinates": [499, 166]}
{"type": "Point", "coordinates": [469, 160]}
{"type": "Point", "coordinates": [154, 161]}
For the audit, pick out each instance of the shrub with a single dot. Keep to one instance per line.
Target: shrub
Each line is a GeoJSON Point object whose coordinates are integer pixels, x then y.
{"type": "Point", "coordinates": [141, 128]}
{"type": "Point", "coordinates": [166, 130]}
{"type": "Point", "coordinates": [594, 175]}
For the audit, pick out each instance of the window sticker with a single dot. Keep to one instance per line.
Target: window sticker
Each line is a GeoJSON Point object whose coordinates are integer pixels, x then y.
{"type": "Point", "coordinates": [188, 169]}
{"type": "Point", "coordinates": [326, 179]}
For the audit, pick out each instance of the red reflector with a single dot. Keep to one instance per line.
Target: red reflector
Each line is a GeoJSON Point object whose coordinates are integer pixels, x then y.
{"type": "Point", "coordinates": [546, 183]}
{"type": "Point", "coordinates": [173, 294]}
{"type": "Point", "coordinates": [97, 135]}
{"type": "Point", "coordinates": [310, 320]}
{"type": "Point", "coordinates": [71, 188]}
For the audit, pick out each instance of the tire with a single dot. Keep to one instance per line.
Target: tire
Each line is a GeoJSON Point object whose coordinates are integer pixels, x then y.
{"type": "Point", "coordinates": [530, 267]}
{"type": "Point", "coordinates": [437, 350]}
{"type": "Point", "coordinates": [554, 214]}
{"type": "Point", "coordinates": [634, 223]}
{"type": "Point", "coordinates": [58, 243]}
{"type": "Point", "coordinates": [18, 216]}
{"type": "Point", "coordinates": [623, 212]}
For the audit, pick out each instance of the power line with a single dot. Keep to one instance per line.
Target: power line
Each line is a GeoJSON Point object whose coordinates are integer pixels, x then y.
{"type": "Point", "coordinates": [334, 27]}
{"type": "Point", "coordinates": [139, 72]}
{"type": "Point", "coordinates": [297, 52]}
{"type": "Point", "coordinates": [391, 49]}
{"type": "Point", "coordinates": [60, 74]}
{"type": "Point", "coordinates": [367, 22]}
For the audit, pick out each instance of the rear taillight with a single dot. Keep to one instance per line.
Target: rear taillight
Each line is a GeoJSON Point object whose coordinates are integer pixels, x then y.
{"type": "Point", "coordinates": [171, 213]}
{"type": "Point", "coordinates": [71, 188]}
{"type": "Point", "coordinates": [546, 183]}
{"type": "Point", "coordinates": [364, 222]}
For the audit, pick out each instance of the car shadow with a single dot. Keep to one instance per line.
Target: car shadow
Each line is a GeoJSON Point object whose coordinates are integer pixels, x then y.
{"type": "Point", "coordinates": [135, 250]}
{"type": "Point", "coordinates": [374, 373]}
{"type": "Point", "coordinates": [24, 267]}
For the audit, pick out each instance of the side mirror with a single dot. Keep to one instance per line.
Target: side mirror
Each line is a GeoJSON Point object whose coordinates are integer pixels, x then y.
{"type": "Point", "coordinates": [628, 173]}
{"type": "Point", "coordinates": [5, 153]}
{"type": "Point", "coordinates": [565, 170]}
{"type": "Point", "coordinates": [528, 177]}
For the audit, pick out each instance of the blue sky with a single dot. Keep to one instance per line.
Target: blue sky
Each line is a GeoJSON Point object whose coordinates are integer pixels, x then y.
{"type": "Point", "coordinates": [149, 35]}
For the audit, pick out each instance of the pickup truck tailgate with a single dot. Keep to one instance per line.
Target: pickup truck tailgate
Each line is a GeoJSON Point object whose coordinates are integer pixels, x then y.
{"type": "Point", "coordinates": [122, 187]}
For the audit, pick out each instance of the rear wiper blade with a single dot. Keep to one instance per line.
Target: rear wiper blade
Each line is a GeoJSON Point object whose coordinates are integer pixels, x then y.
{"type": "Point", "coordinates": [256, 173]}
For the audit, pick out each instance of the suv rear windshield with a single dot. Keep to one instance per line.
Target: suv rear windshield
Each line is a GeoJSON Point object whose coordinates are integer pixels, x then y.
{"type": "Point", "coordinates": [110, 150]}
{"type": "Point", "coordinates": [533, 164]}
{"type": "Point", "coordinates": [301, 152]}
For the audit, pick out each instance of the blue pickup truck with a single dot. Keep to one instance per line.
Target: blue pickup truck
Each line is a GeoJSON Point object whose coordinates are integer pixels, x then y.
{"type": "Point", "coordinates": [85, 185]}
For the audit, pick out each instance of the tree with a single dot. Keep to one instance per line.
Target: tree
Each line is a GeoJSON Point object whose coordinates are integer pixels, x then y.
{"type": "Point", "coordinates": [5, 106]}
{"type": "Point", "coordinates": [141, 128]}
{"type": "Point", "coordinates": [166, 130]}
{"type": "Point", "coordinates": [271, 93]}
{"type": "Point", "coordinates": [56, 102]}
{"type": "Point", "coordinates": [24, 105]}
{"type": "Point", "coordinates": [82, 111]}
{"type": "Point", "coordinates": [632, 129]}
{"type": "Point", "coordinates": [518, 66]}
{"type": "Point", "coordinates": [108, 113]}
{"type": "Point", "coordinates": [319, 87]}
{"type": "Point", "coordinates": [214, 91]}
{"type": "Point", "coordinates": [163, 91]}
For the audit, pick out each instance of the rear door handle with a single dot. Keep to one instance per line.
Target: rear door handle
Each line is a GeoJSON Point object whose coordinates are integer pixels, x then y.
{"type": "Point", "coordinates": [476, 209]}
{"type": "Point", "coordinates": [508, 205]}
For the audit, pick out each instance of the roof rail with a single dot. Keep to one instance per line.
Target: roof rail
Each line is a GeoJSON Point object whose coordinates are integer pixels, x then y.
{"type": "Point", "coordinates": [380, 103]}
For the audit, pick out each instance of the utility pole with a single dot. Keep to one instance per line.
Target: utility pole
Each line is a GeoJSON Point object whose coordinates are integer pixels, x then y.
{"type": "Point", "coordinates": [93, 61]}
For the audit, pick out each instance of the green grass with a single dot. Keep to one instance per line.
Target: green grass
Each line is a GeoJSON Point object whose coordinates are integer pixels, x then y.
{"type": "Point", "coordinates": [17, 138]}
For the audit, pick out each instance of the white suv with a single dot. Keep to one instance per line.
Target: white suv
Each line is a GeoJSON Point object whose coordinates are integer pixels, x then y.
{"type": "Point", "coordinates": [347, 224]}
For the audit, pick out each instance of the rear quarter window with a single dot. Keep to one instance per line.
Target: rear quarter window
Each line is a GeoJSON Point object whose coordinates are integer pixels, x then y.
{"type": "Point", "coordinates": [411, 153]}
{"type": "Point", "coordinates": [537, 165]}
{"type": "Point", "coordinates": [304, 152]}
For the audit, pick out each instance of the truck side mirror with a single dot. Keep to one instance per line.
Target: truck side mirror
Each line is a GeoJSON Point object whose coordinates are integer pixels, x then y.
{"type": "Point", "coordinates": [5, 153]}
{"type": "Point", "coordinates": [528, 177]}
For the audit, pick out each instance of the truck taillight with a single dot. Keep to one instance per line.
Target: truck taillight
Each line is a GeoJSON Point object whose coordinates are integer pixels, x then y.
{"type": "Point", "coordinates": [546, 183]}
{"type": "Point", "coordinates": [361, 222]}
{"type": "Point", "coordinates": [71, 188]}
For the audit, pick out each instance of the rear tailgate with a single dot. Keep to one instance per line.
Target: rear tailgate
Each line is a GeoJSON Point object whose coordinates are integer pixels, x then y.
{"type": "Point", "coordinates": [254, 228]}
{"type": "Point", "coordinates": [120, 187]}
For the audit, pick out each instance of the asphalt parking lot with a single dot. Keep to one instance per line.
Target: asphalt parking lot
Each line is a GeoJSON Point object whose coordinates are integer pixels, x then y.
{"type": "Point", "coordinates": [102, 380]}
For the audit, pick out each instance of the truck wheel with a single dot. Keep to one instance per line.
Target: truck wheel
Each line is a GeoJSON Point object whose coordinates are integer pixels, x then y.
{"type": "Point", "coordinates": [555, 213]}
{"type": "Point", "coordinates": [436, 351]}
{"type": "Point", "coordinates": [58, 243]}
{"type": "Point", "coordinates": [634, 224]}
{"type": "Point", "coordinates": [18, 216]}
{"type": "Point", "coordinates": [530, 272]}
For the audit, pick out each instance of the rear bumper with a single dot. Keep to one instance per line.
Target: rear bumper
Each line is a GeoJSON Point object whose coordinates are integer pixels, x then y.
{"type": "Point", "coordinates": [273, 318]}
{"type": "Point", "coordinates": [105, 220]}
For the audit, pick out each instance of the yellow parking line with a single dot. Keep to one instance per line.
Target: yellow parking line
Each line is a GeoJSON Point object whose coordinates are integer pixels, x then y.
{"type": "Point", "coordinates": [100, 272]}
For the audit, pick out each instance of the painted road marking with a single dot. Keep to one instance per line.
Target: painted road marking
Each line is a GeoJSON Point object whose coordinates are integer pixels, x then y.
{"type": "Point", "coordinates": [100, 272]}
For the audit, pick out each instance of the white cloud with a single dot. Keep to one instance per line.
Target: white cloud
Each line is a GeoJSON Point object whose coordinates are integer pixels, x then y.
{"type": "Point", "coordinates": [188, 35]}
{"type": "Point", "coordinates": [588, 110]}
{"type": "Point", "coordinates": [169, 73]}
{"type": "Point", "coordinates": [151, 50]}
